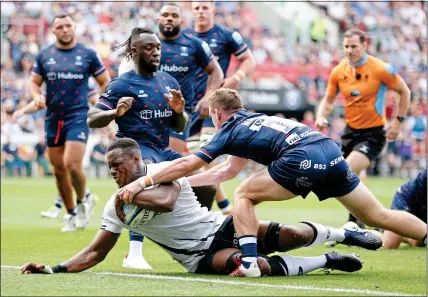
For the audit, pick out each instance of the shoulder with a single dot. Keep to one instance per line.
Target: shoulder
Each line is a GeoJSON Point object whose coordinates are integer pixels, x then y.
{"type": "Point", "coordinates": [338, 68]}
{"type": "Point", "coordinates": [188, 31]}
{"type": "Point", "coordinates": [381, 66]}
{"type": "Point", "coordinates": [192, 39]}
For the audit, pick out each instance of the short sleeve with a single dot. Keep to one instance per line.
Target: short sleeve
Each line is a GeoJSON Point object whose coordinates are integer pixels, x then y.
{"type": "Point", "coordinates": [109, 217]}
{"type": "Point", "coordinates": [38, 66]}
{"type": "Point", "coordinates": [332, 86]}
{"type": "Point", "coordinates": [204, 54]}
{"type": "Point", "coordinates": [388, 75]}
{"type": "Point", "coordinates": [236, 43]}
{"type": "Point", "coordinates": [215, 147]}
{"type": "Point", "coordinates": [97, 65]}
{"type": "Point", "coordinates": [108, 100]}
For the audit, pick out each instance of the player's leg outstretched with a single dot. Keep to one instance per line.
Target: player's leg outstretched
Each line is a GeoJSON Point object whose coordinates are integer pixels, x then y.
{"type": "Point", "coordinates": [364, 206]}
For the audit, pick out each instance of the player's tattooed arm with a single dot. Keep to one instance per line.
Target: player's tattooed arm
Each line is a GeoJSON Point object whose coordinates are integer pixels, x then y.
{"type": "Point", "coordinates": [98, 118]}
{"type": "Point", "coordinates": [215, 79]}
{"type": "Point", "coordinates": [90, 256]}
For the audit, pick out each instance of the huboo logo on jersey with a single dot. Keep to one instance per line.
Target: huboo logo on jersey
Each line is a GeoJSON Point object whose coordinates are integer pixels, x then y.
{"type": "Point", "coordinates": [64, 75]}
{"type": "Point", "coordinates": [173, 68]}
{"type": "Point", "coordinates": [148, 114]}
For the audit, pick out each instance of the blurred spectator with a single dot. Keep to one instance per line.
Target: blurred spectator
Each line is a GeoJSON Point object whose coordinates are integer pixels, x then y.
{"type": "Point", "coordinates": [98, 156]}
{"type": "Point", "coordinates": [40, 155]}
{"type": "Point", "coordinates": [309, 119]}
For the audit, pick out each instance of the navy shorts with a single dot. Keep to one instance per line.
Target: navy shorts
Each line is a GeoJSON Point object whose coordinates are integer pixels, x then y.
{"type": "Point", "coordinates": [318, 167]}
{"type": "Point", "coordinates": [402, 201]}
{"type": "Point", "coordinates": [60, 131]}
{"type": "Point", "coordinates": [196, 124]}
{"type": "Point", "coordinates": [157, 155]}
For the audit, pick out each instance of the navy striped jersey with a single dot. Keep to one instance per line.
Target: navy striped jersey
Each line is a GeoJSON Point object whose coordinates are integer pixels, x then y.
{"type": "Point", "coordinates": [223, 43]}
{"type": "Point", "coordinates": [183, 58]}
{"type": "Point", "coordinates": [66, 74]}
{"type": "Point", "coordinates": [416, 190]}
{"type": "Point", "coordinates": [257, 137]}
{"type": "Point", "coordinates": [148, 119]}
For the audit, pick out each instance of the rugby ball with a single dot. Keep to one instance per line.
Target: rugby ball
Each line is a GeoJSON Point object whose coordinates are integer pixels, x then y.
{"type": "Point", "coordinates": [136, 216]}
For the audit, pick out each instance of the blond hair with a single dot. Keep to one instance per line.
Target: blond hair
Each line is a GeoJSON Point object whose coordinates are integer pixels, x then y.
{"type": "Point", "coordinates": [227, 99]}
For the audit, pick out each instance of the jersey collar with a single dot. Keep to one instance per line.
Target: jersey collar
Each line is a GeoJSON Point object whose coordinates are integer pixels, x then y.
{"type": "Point", "coordinates": [362, 61]}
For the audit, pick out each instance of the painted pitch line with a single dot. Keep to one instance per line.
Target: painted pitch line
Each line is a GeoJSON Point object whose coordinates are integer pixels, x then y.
{"type": "Point", "coordinates": [240, 283]}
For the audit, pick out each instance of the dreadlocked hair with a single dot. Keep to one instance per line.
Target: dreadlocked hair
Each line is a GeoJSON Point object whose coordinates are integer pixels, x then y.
{"type": "Point", "coordinates": [127, 53]}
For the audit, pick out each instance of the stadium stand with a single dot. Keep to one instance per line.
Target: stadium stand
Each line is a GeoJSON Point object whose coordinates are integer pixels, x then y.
{"type": "Point", "coordinates": [290, 77]}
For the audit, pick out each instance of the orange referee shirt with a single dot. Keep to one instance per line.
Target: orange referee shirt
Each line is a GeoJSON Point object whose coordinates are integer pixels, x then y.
{"type": "Point", "coordinates": [364, 90]}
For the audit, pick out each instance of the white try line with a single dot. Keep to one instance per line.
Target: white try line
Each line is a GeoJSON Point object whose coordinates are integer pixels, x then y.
{"type": "Point", "coordinates": [240, 283]}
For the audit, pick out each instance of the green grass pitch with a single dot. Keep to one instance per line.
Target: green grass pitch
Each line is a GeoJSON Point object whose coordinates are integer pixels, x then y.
{"type": "Point", "coordinates": [25, 236]}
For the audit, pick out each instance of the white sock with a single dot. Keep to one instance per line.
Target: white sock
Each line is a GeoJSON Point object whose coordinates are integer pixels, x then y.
{"type": "Point", "coordinates": [135, 249]}
{"type": "Point", "coordinates": [303, 265]}
{"type": "Point", "coordinates": [324, 233]}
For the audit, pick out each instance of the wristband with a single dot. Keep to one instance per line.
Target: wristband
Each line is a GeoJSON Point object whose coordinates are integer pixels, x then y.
{"type": "Point", "coordinates": [146, 181]}
{"type": "Point", "coordinates": [242, 72]}
{"type": "Point", "coordinates": [235, 76]}
{"type": "Point", "coordinates": [61, 268]}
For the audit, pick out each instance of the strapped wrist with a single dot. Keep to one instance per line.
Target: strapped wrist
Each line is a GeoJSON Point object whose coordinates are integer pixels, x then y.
{"type": "Point", "coordinates": [61, 268]}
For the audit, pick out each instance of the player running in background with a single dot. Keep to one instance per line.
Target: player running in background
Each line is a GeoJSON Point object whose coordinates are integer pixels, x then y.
{"type": "Point", "coordinates": [139, 102]}
{"type": "Point", "coordinates": [410, 197]}
{"type": "Point", "coordinates": [224, 43]}
{"type": "Point", "coordinates": [298, 159]}
{"type": "Point", "coordinates": [65, 67]}
{"type": "Point", "coordinates": [363, 80]}
{"type": "Point", "coordinates": [183, 57]}
{"type": "Point", "coordinates": [201, 241]}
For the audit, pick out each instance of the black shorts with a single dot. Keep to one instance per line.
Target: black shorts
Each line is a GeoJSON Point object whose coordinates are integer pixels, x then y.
{"type": "Point", "coordinates": [225, 238]}
{"type": "Point", "coordinates": [369, 142]}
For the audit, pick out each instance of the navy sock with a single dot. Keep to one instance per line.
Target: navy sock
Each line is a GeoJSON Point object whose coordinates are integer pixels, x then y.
{"type": "Point", "coordinates": [72, 211]}
{"type": "Point", "coordinates": [224, 205]}
{"type": "Point", "coordinates": [135, 237]}
{"type": "Point", "coordinates": [248, 244]}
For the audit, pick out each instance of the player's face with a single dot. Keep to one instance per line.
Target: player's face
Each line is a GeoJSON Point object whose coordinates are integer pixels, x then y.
{"type": "Point", "coordinates": [122, 166]}
{"type": "Point", "coordinates": [63, 29]}
{"type": "Point", "coordinates": [203, 12]}
{"type": "Point", "coordinates": [354, 48]}
{"type": "Point", "coordinates": [170, 21]}
{"type": "Point", "coordinates": [147, 52]}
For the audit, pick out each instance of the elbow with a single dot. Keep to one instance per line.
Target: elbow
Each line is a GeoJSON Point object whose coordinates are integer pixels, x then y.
{"type": "Point", "coordinates": [169, 204]}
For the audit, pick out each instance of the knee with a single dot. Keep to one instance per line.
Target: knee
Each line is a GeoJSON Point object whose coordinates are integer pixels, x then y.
{"type": "Point", "coordinates": [59, 171]}
{"type": "Point", "coordinates": [73, 167]}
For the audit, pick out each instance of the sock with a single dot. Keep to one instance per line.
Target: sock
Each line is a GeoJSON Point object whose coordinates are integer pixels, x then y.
{"type": "Point", "coordinates": [87, 193]}
{"type": "Point", "coordinates": [58, 201]}
{"type": "Point", "coordinates": [224, 206]}
{"type": "Point", "coordinates": [301, 265]}
{"type": "Point", "coordinates": [135, 244]}
{"type": "Point", "coordinates": [72, 211]}
{"type": "Point", "coordinates": [248, 244]}
{"type": "Point", "coordinates": [324, 233]}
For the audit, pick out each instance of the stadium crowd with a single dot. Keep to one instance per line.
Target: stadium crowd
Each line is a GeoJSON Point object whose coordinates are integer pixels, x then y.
{"type": "Point", "coordinates": [397, 34]}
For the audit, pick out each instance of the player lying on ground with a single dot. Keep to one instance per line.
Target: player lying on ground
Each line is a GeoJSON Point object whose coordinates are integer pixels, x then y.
{"type": "Point", "coordinates": [202, 241]}
{"type": "Point", "coordinates": [410, 197]}
{"type": "Point", "coordinates": [298, 159]}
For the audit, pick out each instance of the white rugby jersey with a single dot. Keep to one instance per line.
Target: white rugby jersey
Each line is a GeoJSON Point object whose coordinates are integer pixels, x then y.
{"type": "Point", "coordinates": [186, 233]}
